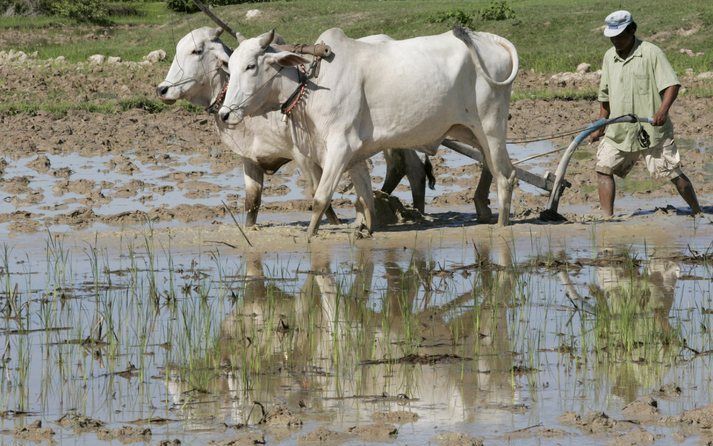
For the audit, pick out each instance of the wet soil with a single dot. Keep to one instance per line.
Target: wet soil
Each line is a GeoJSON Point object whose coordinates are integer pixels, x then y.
{"type": "Point", "coordinates": [111, 157]}
{"type": "Point", "coordinates": [158, 139]}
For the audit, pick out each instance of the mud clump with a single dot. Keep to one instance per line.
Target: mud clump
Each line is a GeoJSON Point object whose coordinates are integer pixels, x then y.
{"type": "Point", "coordinates": [34, 432]}
{"type": "Point", "coordinates": [129, 217]}
{"type": "Point", "coordinates": [80, 423]}
{"type": "Point", "coordinates": [122, 164]}
{"type": "Point", "coordinates": [669, 391]}
{"type": "Point", "coordinates": [593, 422]}
{"type": "Point", "coordinates": [281, 416]}
{"type": "Point", "coordinates": [390, 210]}
{"type": "Point", "coordinates": [129, 189]}
{"type": "Point", "coordinates": [457, 439]}
{"type": "Point", "coordinates": [26, 226]}
{"type": "Point", "coordinates": [397, 417]}
{"type": "Point", "coordinates": [636, 437]}
{"type": "Point", "coordinates": [323, 435]}
{"type": "Point", "coordinates": [125, 434]}
{"type": "Point", "coordinates": [279, 191]}
{"type": "Point", "coordinates": [701, 417]}
{"type": "Point", "coordinates": [16, 185]}
{"type": "Point", "coordinates": [79, 219]}
{"type": "Point", "coordinates": [189, 213]}
{"type": "Point", "coordinates": [41, 164]}
{"type": "Point", "coordinates": [195, 189]}
{"type": "Point", "coordinates": [31, 197]}
{"type": "Point", "coordinates": [644, 410]}
{"type": "Point", "coordinates": [81, 187]}
{"type": "Point", "coordinates": [62, 172]}
{"type": "Point", "coordinates": [375, 432]}
{"type": "Point", "coordinates": [246, 439]}
{"type": "Point", "coordinates": [535, 432]}
{"type": "Point", "coordinates": [17, 216]}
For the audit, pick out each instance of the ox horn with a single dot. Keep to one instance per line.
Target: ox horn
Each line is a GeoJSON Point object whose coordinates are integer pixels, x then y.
{"type": "Point", "coordinates": [213, 17]}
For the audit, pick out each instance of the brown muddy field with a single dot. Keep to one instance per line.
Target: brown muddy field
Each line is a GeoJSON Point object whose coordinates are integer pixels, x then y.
{"type": "Point", "coordinates": [133, 310]}
{"type": "Point", "coordinates": [126, 137]}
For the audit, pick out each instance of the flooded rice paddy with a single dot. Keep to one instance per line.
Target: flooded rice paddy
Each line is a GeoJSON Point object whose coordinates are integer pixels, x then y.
{"type": "Point", "coordinates": [537, 336]}
{"type": "Point", "coordinates": [121, 323]}
{"type": "Point", "coordinates": [73, 190]}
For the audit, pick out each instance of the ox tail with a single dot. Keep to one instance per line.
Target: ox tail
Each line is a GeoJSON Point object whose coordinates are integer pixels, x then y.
{"type": "Point", "coordinates": [469, 38]}
{"type": "Point", "coordinates": [428, 167]}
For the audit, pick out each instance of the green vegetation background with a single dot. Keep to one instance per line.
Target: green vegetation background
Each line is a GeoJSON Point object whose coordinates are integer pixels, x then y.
{"type": "Point", "coordinates": [551, 35]}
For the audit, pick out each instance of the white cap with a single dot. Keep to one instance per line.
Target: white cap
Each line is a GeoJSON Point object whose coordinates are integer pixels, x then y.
{"type": "Point", "coordinates": [616, 22]}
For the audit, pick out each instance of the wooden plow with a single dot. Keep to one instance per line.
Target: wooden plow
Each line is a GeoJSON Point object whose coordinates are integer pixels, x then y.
{"type": "Point", "coordinates": [555, 183]}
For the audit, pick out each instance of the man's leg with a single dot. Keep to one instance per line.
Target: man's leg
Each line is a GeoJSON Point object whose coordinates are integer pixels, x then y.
{"type": "Point", "coordinates": [607, 191]}
{"type": "Point", "coordinates": [666, 162]}
{"type": "Point", "coordinates": [685, 189]}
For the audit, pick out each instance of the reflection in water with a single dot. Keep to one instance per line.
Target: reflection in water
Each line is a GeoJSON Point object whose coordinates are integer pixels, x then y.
{"type": "Point", "coordinates": [362, 342]}
{"type": "Point", "coordinates": [634, 336]}
{"type": "Point", "coordinates": [461, 336]}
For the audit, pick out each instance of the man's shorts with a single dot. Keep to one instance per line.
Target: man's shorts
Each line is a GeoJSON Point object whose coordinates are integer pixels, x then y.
{"type": "Point", "coordinates": [662, 160]}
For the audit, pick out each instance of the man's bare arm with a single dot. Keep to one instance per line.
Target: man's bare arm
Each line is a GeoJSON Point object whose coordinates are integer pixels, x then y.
{"type": "Point", "coordinates": [667, 97]}
{"type": "Point", "coordinates": [603, 113]}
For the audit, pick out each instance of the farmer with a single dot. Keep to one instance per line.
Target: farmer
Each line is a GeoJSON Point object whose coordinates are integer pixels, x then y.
{"type": "Point", "coordinates": [636, 78]}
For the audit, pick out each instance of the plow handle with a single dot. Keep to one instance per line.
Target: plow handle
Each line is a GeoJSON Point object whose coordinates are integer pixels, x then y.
{"type": "Point", "coordinates": [558, 187]}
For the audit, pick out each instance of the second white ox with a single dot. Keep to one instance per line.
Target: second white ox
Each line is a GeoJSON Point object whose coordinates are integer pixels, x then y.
{"type": "Point", "coordinates": [370, 96]}
{"type": "Point", "coordinates": [199, 72]}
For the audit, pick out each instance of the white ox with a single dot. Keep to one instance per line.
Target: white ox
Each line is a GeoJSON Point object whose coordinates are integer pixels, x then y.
{"type": "Point", "coordinates": [199, 72]}
{"type": "Point", "coordinates": [370, 96]}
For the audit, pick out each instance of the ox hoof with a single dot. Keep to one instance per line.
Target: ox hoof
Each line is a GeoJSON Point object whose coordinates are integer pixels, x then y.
{"type": "Point", "coordinates": [362, 232]}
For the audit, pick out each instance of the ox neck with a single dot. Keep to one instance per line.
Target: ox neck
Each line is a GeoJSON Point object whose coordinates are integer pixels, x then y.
{"type": "Point", "coordinates": [217, 95]}
{"type": "Point", "coordinates": [293, 86]}
{"type": "Point", "coordinates": [288, 80]}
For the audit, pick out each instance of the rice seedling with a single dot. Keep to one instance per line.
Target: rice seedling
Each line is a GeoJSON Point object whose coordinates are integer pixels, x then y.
{"type": "Point", "coordinates": [200, 335]}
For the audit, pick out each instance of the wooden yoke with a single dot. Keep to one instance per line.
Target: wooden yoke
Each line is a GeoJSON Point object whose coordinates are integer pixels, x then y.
{"type": "Point", "coordinates": [319, 50]}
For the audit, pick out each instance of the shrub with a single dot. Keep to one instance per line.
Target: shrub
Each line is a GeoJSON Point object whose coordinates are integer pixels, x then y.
{"type": "Point", "coordinates": [454, 17]}
{"type": "Point", "coordinates": [190, 6]}
{"type": "Point", "coordinates": [93, 11]}
{"type": "Point", "coordinates": [497, 10]}
{"type": "Point", "coordinates": [12, 7]}
{"type": "Point", "coordinates": [121, 9]}
{"type": "Point", "coordinates": [143, 103]}
{"type": "Point", "coordinates": [182, 5]}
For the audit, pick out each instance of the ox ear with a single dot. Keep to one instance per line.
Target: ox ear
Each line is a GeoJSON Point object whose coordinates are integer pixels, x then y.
{"type": "Point", "coordinates": [224, 58]}
{"type": "Point", "coordinates": [266, 39]}
{"type": "Point", "coordinates": [215, 33]}
{"type": "Point", "coordinates": [285, 59]}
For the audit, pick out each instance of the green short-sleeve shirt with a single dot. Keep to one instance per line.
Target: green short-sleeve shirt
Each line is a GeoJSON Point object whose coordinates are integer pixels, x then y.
{"type": "Point", "coordinates": [634, 85]}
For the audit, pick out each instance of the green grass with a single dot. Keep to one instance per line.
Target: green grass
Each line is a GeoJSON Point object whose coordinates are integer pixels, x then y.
{"type": "Point", "coordinates": [62, 108]}
{"type": "Point", "coordinates": [631, 185]}
{"type": "Point", "coordinates": [559, 94]}
{"type": "Point", "coordinates": [551, 35]}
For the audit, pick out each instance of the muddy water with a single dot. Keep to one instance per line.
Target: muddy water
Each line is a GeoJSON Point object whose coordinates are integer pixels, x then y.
{"type": "Point", "coordinates": [508, 336]}
{"type": "Point", "coordinates": [63, 190]}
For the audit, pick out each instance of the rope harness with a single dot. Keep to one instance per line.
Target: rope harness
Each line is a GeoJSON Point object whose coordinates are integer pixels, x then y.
{"type": "Point", "coordinates": [303, 77]}
{"type": "Point", "coordinates": [218, 101]}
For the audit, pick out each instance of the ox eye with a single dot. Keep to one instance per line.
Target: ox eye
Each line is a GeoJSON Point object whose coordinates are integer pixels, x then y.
{"type": "Point", "coordinates": [197, 51]}
{"type": "Point", "coordinates": [250, 67]}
